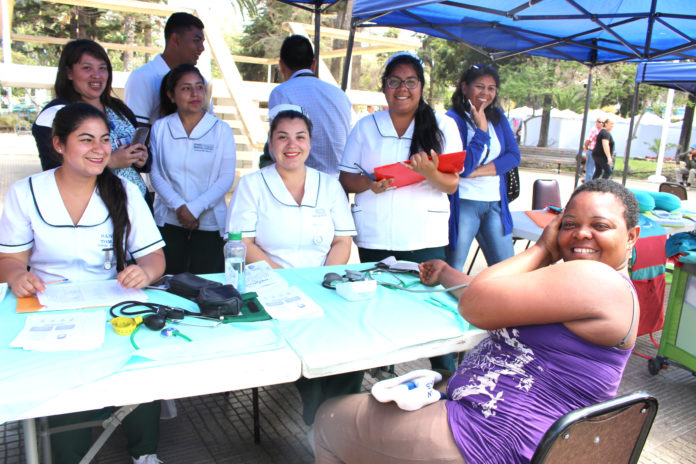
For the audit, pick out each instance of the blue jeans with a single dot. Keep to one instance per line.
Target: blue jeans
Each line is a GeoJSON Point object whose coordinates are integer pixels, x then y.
{"type": "Point", "coordinates": [481, 219]}
{"type": "Point", "coordinates": [589, 166]}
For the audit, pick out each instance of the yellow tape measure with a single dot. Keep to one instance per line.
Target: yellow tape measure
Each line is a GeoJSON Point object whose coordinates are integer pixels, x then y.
{"type": "Point", "coordinates": [125, 325]}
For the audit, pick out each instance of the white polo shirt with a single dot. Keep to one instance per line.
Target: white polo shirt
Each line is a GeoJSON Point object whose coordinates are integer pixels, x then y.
{"type": "Point", "coordinates": [142, 91]}
{"type": "Point", "coordinates": [35, 218]}
{"type": "Point", "coordinates": [291, 235]}
{"type": "Point", "coordinates": [407, 218]}
{"type": "Point", "coordinates": [195, 170]}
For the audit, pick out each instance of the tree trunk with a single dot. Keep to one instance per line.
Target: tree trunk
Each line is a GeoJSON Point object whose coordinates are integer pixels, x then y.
{"type": "Point", "coordinates": [148, 39]}
{"type": "Point", "coordinates": [685, 136]}
{"type": "Point", "coordinates": [129, 29]}
{"type": "Point", "coordinates": [545, 121]}
{"type": "Point", "coordinates": [73, 24]}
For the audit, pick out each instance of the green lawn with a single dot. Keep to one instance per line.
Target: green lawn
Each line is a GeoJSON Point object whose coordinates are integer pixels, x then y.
{"type": "Point", "coordinates": [640, 168]}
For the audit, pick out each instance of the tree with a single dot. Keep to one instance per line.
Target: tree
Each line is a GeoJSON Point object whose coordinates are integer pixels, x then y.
{"type": "Point", "coordinates": [264, 36]}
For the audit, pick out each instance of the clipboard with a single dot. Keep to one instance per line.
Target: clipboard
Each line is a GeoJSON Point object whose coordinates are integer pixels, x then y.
{"type": "Point", "coordinates": [542, 218]}
{"type": "Point", "coordinates": [449, 162]}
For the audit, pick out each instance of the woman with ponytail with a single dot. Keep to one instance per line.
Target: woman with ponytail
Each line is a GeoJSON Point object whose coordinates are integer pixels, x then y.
{"type": "Point", "coordinates": [80, 222]}
{"type": "Point", "coordinates": [409, 223]}
{"type": "Point", "coordinates": [480, 207]}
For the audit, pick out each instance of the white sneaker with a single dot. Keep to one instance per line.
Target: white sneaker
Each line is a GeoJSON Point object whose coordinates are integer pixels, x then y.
{"type": "Point", "coordinates": [147, 459]}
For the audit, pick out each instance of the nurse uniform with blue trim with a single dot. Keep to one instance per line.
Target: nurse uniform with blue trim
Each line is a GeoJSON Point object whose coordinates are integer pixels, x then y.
{"type": "Point", "coordinates": [35, 218]}
{"type": "Point", "coordinates": [407, 218]}
{"type": "Point", "coordinates": [291, 235]}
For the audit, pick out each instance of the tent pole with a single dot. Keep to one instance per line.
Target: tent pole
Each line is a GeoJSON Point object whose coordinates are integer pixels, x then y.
{"type": "Point", "coordinates": [578, 158]}
{"type": "Point", "coordinates": [627, 154]}
{"type": "Point", "coordinates": [349, 53]}
{"type": "Point", "coordinates": [317, 43]}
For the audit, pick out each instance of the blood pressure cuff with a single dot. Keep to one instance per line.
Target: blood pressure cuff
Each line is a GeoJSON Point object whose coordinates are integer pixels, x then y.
{"type": "Point", "coordinates": [189, 286]}
{"type": "Point", "coordinates": [221, 300]}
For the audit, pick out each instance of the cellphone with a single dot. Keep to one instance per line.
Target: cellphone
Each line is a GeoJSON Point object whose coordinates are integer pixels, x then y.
{"type": "Point", "coordinates": [140, 135]}
{"type": "Point", "coordinates": [369, 176]}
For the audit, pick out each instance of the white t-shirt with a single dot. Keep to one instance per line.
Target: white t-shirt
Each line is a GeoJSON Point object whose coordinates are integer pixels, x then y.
{"type": "Point", "coordinates": [35, 218]}
{"type": "Point", "coordinates": [291, 235]}
{"type": "Point", "coordinates": [195, 170]}
{"type": "Point", "coordinates": [407, 218]}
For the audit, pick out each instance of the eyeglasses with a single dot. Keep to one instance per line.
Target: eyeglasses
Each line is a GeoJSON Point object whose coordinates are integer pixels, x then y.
{"type": "Point", "coordinates": [395, 82]}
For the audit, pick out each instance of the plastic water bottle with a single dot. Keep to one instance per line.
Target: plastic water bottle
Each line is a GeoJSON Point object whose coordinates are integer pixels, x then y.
{"type": "Point", "coordinates": [235, 257]}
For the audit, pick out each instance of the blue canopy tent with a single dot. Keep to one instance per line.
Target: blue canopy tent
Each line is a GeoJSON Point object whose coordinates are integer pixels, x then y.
{"type": "Point", "coordinates": [588, 31]}
{"type": "Point", "coordinates": [677, 76]}
{"type": "Point", "coordinates": [317, 7]}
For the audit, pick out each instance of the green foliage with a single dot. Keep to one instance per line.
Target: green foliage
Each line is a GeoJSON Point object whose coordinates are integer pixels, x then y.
{"type": "Point", "coordinates": [568, 98]}
{"type": "Point", "coordinates": [264, 36]}
{"type": "Point", "coordinates": [654, 146]}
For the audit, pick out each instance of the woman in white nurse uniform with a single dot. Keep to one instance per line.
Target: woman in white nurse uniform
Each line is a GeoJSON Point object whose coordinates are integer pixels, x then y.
{"type": "Point", "coordinates": [410, 222]}
{"type": "Point", "coordinates": [193, 167]}
{"type": "Point", "coordinates": [294, 216]}
{"type": "Point", "coordinates": [291, 215]}
{"type": "Point", "coordinates": [80, 222]}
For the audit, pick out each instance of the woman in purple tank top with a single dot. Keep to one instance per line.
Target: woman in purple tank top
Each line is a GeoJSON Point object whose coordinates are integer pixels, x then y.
{"type": "Point", "coordinates": [554, 345]}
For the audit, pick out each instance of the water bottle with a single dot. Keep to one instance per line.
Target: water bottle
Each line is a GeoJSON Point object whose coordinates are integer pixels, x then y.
{"type": "Point", "coordinates": [235, 257]}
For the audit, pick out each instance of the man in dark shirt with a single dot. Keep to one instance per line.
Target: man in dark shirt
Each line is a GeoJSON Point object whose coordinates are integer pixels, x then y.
{"type": "Point", "coordinates": [686, 166]}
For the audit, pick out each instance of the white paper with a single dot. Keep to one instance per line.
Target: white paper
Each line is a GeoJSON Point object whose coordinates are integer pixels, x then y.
{"type": "Point", "coordinates": [87, 295]}
{"type": "Point", "coordinates": [259, 277]}
{"type": "Point", "coordinates": [290, 303]}
{"type": "Point", "coordinates": [3, 290]}
{"type": "Point", "coordinates": [62, 331]}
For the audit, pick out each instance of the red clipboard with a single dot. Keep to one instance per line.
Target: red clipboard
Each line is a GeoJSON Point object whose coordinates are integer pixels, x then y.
{"type": "Point", "coordinates": [449, 162]}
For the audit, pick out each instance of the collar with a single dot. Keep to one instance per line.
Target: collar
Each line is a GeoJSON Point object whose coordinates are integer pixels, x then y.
{"type": "Point", "coordinates": [177, 131]}
{"type": "Point", "coordinates": [160, 64]}
{"type": "Point", "coordinates": [301, 71]}
{"type": "Point", "coordinates": [385, 126]}
{"type": "Point", "coordinates": [49, 204]}
{"type": "Point", "coordinates": [276, 186]}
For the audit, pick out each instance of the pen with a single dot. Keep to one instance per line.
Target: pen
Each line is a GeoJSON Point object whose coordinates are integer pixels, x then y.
{"type": "Point", "coordinates": [369, 176]}
{"type": "Point", "coordinates": [60, 281]}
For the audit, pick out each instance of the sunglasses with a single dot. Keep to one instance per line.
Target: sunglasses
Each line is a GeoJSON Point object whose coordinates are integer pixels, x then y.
{"type": "Point", "coordinates": [395, 82]}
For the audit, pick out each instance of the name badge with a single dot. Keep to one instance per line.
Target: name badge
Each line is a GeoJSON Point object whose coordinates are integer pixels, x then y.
{"type": "Point", "coordinates": [204, 147]}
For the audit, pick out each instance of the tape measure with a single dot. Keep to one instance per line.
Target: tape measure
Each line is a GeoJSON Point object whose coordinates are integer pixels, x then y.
{"type": "Point", "coordinates": [125, 325]}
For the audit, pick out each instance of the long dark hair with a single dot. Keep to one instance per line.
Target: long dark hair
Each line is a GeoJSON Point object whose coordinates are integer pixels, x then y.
{"type": "Point", "coordinates": [71, 54]}
{"type": "Point", "coordinates": [460, 103]}
{"type": "Point", "coordinates": [169, 81]}
{"type": "Point", "coordinates": [426, 132]}
{"type": "Point", "coordinates": [111, 190]}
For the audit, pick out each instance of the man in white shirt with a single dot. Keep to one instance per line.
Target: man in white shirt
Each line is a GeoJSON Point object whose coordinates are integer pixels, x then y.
{"type": "Point", "coordinates": [326, 105]}
{"type": "Point", "coordinates": [183, 35]}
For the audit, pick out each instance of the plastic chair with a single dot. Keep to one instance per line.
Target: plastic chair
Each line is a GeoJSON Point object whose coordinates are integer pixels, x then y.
{"type": "Point", "coordinates": [545, 192]}
{"type": "Point", "coordinates": [611, 431]}
{"type": "Point", "coordinates": [674, 188]}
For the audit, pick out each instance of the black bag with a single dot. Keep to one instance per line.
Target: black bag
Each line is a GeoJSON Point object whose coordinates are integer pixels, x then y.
{"type": "Point", "coordinates": [512, 179]}
{"type": "Point", "coordinates": [223, 300]}
{"type": "Point", "coordinates": [189, 285]}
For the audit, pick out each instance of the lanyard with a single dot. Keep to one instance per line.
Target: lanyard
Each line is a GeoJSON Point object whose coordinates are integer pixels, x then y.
{"type": "Point", "coordinates": [470, 122]}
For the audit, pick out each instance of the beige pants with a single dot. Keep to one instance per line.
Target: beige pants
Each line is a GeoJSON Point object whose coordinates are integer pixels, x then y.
{"type": "Point", "coordinates": [357, 429]}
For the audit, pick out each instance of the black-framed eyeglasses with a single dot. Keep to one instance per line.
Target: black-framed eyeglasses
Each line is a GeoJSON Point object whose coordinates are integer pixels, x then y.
{"type": "Point", "coordinates": [395, 82]}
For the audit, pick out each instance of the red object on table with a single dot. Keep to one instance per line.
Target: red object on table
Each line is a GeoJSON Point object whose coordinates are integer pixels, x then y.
{"type": "Point", "coordinates": [449, 162]}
